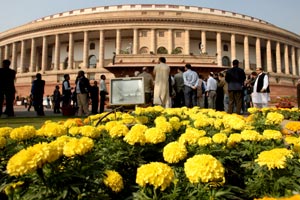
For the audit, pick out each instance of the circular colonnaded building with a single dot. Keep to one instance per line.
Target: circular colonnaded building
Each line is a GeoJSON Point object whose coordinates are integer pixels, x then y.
{"type": "Point", "coordinates": [118, 40]}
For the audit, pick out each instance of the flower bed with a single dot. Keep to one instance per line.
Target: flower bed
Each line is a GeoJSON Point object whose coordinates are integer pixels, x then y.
{"type": "Point", "coordinates": [155, 153]}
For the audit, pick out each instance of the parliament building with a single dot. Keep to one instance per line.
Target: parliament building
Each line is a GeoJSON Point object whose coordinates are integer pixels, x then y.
{"type": "Point", "coordinates": [118, 40]}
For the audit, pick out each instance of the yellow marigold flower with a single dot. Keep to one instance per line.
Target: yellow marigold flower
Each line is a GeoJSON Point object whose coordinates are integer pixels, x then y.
{"type": "Point", "coordinates": [78, 146]}
{"type": "Point", "coordinates": [272, 134]}
{"type": "Point", "coordinates": [73, 122]}
{"type": "Point", "coordinates": [2, 142]}
{"type": "Point", "coordinates": [111, 124]}
{"type": "Point", "coordinates": [234, 122]}
{"type": "Point", "coordinates": [90, 131]}
{"type": "Point", "coordinates": [253, 110]}
{"type": "Point", "coordinates": [23, 133]}
{"type": "Point", "coordinates": [156, 174]}
{"type": "Point", "coordinates": [74, 130]}
{"type": "Point", "coordinates": [203, 122]}
{"type": "Point", "coordinates": [293, 126]}
{"type": "Point", "coordinates": [219, 138]}
{"type": "Point", "coordinates": [166, 127]}
{"type": "Point", "coordinates": [155, 135]}
{"type": "Point", "coordinates": [234, 138]}
{"type": "Point", "coordinates": [185, 122]}
{"type": "Point", "coordinates": [118, 130]}
{"type": "Point", "coordinates": [218, 123]}
{"type": "Point", "coordinates": [250, 118]}
{"type": "Point", "coordinates": [160, 119]}
{"type": "Point", "coordinates": [53, 129]}
{"type": "Point", "coordinates": [292, 140]}
{"type": "Point", "coordinates": [158, 108]}
{"type": "Point", "coordinates": [142, 119]}
{"type": "Point", "coordinates": [204, 168]}
{"type": "Point", "coordinates": [28, 160]}
{"type": "Point", "coordinates": [275, 158]}
{"type": "Point", "coordinates": [266, 198]}
{"type": "Point", "coordinates": [128, 119]}
{"type": "Point", "coordinates": [5, 131]}
{"type": "Point", "coordinates": [191, 136]}
{"type": "Point", "coordinates": [295, 197]}
{"type": "Point", "coordinates": [175, 122]}
{"type": "Point", "coordinates": [136, 135]}
{"type": "Point", "coordinates": [101, 128]}
{"type": "Point", "coordinates": [174, 152]}
{"type": "Point", "coordinates": [274, 118]}
{"type": "Point", "coordinates": [204, 141]}
{"type": "Point", "coordinates": [113, 180]}
{"type": "Point", "coordinates": [251, 135]}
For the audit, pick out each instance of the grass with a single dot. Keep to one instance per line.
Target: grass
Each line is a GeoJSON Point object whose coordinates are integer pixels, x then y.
{"type": "Point", "coordinates": [37, 122]}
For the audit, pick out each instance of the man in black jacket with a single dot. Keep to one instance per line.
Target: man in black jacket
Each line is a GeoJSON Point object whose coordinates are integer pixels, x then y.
{"type": "Point", "coordinates": [82, 91]}
{"type": "Point", "coordinates": [37, 91]}
{"type": "Point", "coordinates": [235, 77]}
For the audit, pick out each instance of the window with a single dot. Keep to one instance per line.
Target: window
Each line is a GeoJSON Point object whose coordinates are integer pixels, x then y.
{"type": "Point", "coordinates": [66, 63]}
{"type": "Point", "coordinates": [67, 48]}
{"type": "Point", "coordinates": [92, 46]}
{"type": "Point", "coordinates": [177, 50]}
{"type": "Point", "coordinates": [144, 50]}
{"type": "Point", "coordinates": [225, 47]}
{"type": "Point", "coordinates": [226, 61]}
{"type": "Point", "coordinates": [92, 61]}
{"type": "Point", "coordinates": [162, 50]}
{"type": "Point", "coordinates": [143, 33]}
{"type": "Point", "coordinates": [161, 33]}
{"type": "Point", "coordinates": [178, 34]}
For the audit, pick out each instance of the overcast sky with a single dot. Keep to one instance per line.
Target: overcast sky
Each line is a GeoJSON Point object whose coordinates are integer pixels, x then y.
{"type": "Point", "coordinates": [282, 13]}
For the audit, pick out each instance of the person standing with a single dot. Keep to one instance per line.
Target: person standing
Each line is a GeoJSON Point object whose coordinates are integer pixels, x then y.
{"type": "Point", "coordinates": [95, 97]}
{"type": "Point", "coordinates": [161, 73]}
{"type": "Point", "coordinates": [103, 92]}
{"type": "Point", "coordinates": [82, 91]}
{"type": "Point", "coordinates": [56, 99]}
{"type": "Point", "coordinates": [235, 77]}
{"type": "Point", "coordinates": [211, 91]}
{"type": "Point", "coordinates": [190, 79]}
{"type": "Point", "coordinates": [261, 91]}
{"type": "Point", "coordinates": [148, 85]}
{"type": "Point", "coordinates": [220, 92]}
{"type": "Point", "coordinates": [7, 88]}
{"type": "Point", "coordinates": [66, 91]}
{"type": "Point", "coordinates": [201, 87]}
{"type": "Point", "coordinates": [179, 88]}
{"type": "Point", "coordinates": [298, 93]}
{"type": "Point", "coordinates": [37, 91]}
{"type": "Point", "coordinates": [224, 86]}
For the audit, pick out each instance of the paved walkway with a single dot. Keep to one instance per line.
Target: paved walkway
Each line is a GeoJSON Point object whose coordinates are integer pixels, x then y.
{"type": "Point", "coordinates": [21, 111]}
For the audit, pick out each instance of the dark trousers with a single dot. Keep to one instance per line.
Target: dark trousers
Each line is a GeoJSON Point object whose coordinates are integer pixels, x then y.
{"type": "Point", "coordinates": [179, 99]}
{"type": "Point", "coordinates": [190, 97]}
{"type": "Point", "coordinates": [38, 105]}
{"type": "Point", "coordinates": [102, 101]}
{"type": "Point", "coordinates": [9, 101]}
{"type": "Point", "coordinates": [95, 102]}
{"type": "Point", "coordinates": [235, 101]}
{"type": "Point", "coordinates": [66, 100]}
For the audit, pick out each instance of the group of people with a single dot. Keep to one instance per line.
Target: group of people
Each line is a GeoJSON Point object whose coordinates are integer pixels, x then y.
{"type": "Point", "coordinates": [228, 91]}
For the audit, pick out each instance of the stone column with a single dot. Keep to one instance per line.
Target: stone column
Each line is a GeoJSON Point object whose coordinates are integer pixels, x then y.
{"type": "Point", "coordinates": [101, 48]}
{"type": "Point", "coordinates": [118, 41]}
{"type": "Point", "coordinates": [187, 42]}
{"type": "Point", "coordinates": [44, 54]}
{"type": "Point", "coordinates": [286, 59]}
{"type": "Point", "coordinates": [6, 52]}
{"type": "Point", "coordinates": [298, 55]}
{"type": "Point", "coordinates": [203, 41]}
{"type": "Point", "coordinates": [258, 53]}
{"type": "Point", "coordinates": [85, 56]}
{"type": "Point", "coordinates": [32, 67]}
{"type": "Point", "coordinates": [14, 56]}
{"type": "Point", "coordinates": [57, 52]}
{"type": "Point", "coordinates": [135, 41]}
{"type": "Point", "coordinates": [219, 49]}
{"type": "Point", "coordinates": [170, 42]}
{"type": "Point", "coordinates": [1, 56]}
{"type": "Point", "coordinates": [153, 41]}
{"type": "Point", "coordinates": [233, 47]}
{"type": "Point", "coordinates": [71, 51]}
{"type": "Point", "coordinates": [278, 58]}
{"type": "Point", "coordinates": [294, 61]}
{"type": "Point", "coordinates": [269, 56]}
{"type": "Point", "coordinates": [246, 53]}
{"type": "Point", "coordinates": [22, 57]}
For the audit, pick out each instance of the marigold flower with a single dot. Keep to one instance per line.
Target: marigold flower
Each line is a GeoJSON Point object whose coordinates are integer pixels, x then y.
{"type": "Point", "coordinates": [23, 133]}
{"type": "Point", "coordinates": [128, 119]}
{"type": "Point", "coordinates": [204, 141]}
{"type": "Point", "coordinates": [73, 122]}
{"type": "Point", "coordinates": [78, 146]}
{"type": "Point", "coordinates": [219, 138]}
{"type": "Point", "coordinates": [191, 136]}
{"type": "Point", "coordinates": [118, 130]}
{"type": "Point", "coordinates": [274, 118]}
{"type": "Point", "coordinates": [113, 180]}
{"type": "Point", "coordinates": [251, 135]}
{"type": "Point", "coordinates": [90, 131]}
{"type": "Point", "coordinates": [174, 152]}
{"type": "Point", "coordinates": [275, 158]}
{"type": "Point", "coordinates": [5, 131]}
{"type": "Point", "coordinates": [234, 138]}
{"type": "Point", "coordinates": [74, 130]}
{"type": "Point", "coordinates": [272, 134]}
{"type": "Point", "coordinates": [175, 122]}
{"type": "Point", "coordinates": [2, 142]}
{"type": "Point", "coordinates": [155, 135]}
{"type": "Point", "coordinates": [136, 135]}
{"type": "Point", "coordinates": [234, 122]}
{"type": "Point", "coordinates": [53, 129]}
{"type": "Point", "coordinates": [293, 126]}
{"type": "Point", "coordinates": [204, 168]}
{"type": "Point", "coordinates": [156, 174]}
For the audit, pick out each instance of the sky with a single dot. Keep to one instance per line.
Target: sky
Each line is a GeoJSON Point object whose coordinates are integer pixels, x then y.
{"type": "Point", "coordinates": [282, 13]}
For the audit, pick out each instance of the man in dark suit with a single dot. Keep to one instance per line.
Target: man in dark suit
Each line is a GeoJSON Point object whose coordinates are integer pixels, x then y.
{"type": "Point", "coordinates": [235, 77]}
{"type": "Point", "coordinates": [37, 91]}
{"type": "Point", "coordinates": [7, 88]}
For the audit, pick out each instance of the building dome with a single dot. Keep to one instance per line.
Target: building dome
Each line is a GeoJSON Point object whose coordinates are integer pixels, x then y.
{"type": "Point", "coordinates": [119, 40]}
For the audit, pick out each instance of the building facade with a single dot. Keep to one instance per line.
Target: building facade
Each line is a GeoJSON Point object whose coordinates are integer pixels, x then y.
{"type": "Point", "coordinates": [118, 40]}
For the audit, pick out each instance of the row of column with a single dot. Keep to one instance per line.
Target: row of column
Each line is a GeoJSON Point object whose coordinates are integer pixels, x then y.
{"type": "Point", "coordinates": [33, 53]}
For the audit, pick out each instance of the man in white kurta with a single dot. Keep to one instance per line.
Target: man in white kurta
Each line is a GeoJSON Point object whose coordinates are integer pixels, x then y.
{"type": "Point", "coordinates": [261, 92]}
{"type": "Point", "coordinates": [161, 74]}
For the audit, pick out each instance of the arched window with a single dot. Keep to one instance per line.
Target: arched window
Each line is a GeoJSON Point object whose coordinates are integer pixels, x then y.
{"type": "Point", "coordinates": [92, 46]}
{"type": "Point", "coordinates": [177, 50]}
{"type": "Point", "coordinates": [226, 61]}
{"type": "Point", "coordinates": [66, 63]}
{"type": "Point", "coordinates": [162, 50]}
{"type": "Point", "coordinates": [225, 47]}
{"type": "Point", "coordinates": [144, 50]}
{"type": "Point", "coordinates": [92, 61]}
